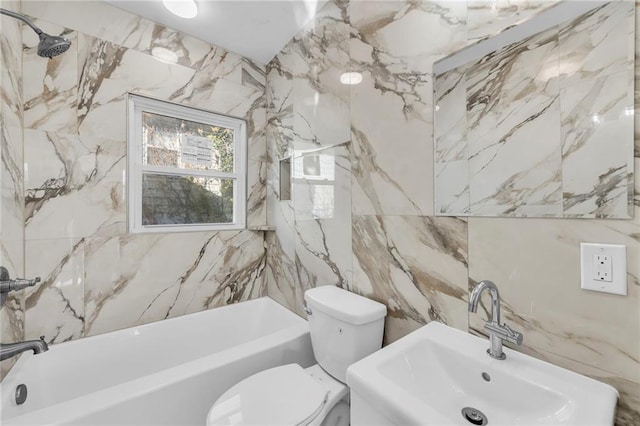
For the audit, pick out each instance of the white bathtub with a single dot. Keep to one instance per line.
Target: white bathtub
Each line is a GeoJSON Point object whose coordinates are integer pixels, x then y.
{"type": "Point", "coordinates": [164, 373]}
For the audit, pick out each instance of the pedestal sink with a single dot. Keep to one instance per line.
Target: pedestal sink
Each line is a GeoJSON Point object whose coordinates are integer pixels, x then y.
{"type": "Point", "coordinates": [439, 375]}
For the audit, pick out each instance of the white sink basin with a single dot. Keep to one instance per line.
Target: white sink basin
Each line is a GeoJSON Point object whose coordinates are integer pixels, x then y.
{"type": "Point", "coordinates": [429, 376]}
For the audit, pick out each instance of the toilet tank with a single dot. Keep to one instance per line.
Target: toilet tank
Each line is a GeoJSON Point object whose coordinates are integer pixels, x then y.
{"type": "Point", "coordinates": [344, 327]}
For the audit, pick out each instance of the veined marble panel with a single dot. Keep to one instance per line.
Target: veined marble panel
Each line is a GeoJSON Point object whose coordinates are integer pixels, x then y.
{"type": "Point", "coordinates": [451, 116]}
{"type": "Point", "coordinates": [279, 94]}
{"type": "Point", "coordinates": [321, 103]}
{"type": "Point", "coordinates": [55, 306]}
{"type": "Point", "coordinates": [281, 278]}
{"type": "Point", "coordinates": [74, 186]}
{"type": "Point", "coordinates": [50, 85]}
{"type": "Point", "coordinates": [11, 184]}
{"type": "Point", "coordinates": [256, 193]}
{"type": "Point", "coordinates": [107, 73]}
{"type": "Point", "coordinates": [596, 44]}
{"type": "Point", "coordinates": [130, 283]}
{"type": "Point", "coordinates": [11, 106]}
{"type": "Point", "coordinates": [452, 181]}
{"type": "Point", "coordinates": [597, 120]}
{"type": "Point", "coordinates": [394, 45]}
{"type": "Point", "coordinates": [513, 130]}
{"type": "Point", "coordinates": [417, 266]}
{"type": "Point", "coordinates": [322, 205]}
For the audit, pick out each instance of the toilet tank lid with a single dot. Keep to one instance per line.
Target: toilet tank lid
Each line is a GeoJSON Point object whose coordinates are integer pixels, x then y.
{"type": "Point", "coordinates": [344, 305]}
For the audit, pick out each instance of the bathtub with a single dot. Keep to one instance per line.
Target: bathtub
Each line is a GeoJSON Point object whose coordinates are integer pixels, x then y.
{"type": "Point", "coordinates": [164, 373]}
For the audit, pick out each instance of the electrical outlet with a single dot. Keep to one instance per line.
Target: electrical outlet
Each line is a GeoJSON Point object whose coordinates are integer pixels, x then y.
{"type": "Point", "coordinates": [604, 268]}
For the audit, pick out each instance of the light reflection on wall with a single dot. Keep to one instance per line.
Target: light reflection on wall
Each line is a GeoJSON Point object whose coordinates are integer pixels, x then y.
{"type": "Point", "coordinates": [314, 178]}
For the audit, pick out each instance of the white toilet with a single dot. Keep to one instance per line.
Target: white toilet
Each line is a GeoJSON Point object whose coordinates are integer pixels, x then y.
{"type": "Point", "coordinates": [344, 328]}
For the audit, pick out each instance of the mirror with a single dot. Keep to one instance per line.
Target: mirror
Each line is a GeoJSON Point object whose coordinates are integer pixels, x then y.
{"type": "Point", "coordinates": [537, 121]}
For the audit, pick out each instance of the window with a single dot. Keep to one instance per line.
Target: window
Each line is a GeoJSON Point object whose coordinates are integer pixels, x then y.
{"type": "Point", "coordinates": [187, 168]}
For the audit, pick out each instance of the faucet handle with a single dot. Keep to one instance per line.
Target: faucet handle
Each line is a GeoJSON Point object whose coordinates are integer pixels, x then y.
{"type": "Point", "coordinates": [513, 336]}
{"type": "Point", "coordinates": [504, 332]}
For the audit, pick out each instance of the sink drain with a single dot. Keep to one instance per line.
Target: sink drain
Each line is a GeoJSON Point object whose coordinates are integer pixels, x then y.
{"type": "Point", "coordinates": [474, 416]}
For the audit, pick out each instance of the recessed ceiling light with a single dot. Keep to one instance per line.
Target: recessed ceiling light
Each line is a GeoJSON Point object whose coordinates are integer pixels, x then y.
{"type": "Point", "coordinates": [164, 55]}
{"type": "Point", "coordinates": [182, 8]}
{"type": "Point", "coordinates": [351, 78]}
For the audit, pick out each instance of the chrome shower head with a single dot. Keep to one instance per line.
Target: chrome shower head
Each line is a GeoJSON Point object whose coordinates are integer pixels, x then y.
{"type": "Point", "coordinates": [51, 46]}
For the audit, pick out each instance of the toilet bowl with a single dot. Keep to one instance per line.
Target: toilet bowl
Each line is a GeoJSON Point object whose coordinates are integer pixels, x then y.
{"type": "Point", "coordinates": [284, 395]}
{"type": "Point", "coordinates": [344, 328]}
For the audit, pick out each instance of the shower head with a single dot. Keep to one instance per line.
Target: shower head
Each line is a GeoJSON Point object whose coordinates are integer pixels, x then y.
{"type": "Point", "coordinates": [49, 45]}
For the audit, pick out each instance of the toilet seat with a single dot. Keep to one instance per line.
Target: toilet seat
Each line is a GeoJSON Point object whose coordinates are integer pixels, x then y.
{"type": "Point", "coordinates": [284, 395]}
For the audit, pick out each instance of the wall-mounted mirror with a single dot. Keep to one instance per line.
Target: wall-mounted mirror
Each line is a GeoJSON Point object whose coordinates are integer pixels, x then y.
{"type": "Point", "coordinates": [537, 121]}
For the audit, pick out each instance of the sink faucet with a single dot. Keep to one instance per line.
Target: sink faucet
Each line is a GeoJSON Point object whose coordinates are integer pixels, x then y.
{"type": "Point", "coordinates": [13, 349]}
{"type": "Point", "coordinates": [497, 332]}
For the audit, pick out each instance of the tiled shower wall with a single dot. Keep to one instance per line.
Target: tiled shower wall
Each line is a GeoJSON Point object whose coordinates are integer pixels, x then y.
{"type": "Point", "coordinates": [67, 117]}
{"type": "Point", "coordinates": [361, 214]}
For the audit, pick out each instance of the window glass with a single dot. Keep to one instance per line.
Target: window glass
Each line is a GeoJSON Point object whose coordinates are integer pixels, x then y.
{"type": "Point", "coordinates": [169, 141]}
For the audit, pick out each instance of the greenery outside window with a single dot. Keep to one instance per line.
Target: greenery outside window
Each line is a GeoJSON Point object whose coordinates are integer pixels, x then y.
{"type": "Point", "coordinates": [186, 168]}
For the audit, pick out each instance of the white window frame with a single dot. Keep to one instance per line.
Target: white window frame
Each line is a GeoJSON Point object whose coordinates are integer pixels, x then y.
{"type": "Point", "coordinates": [135, 169]}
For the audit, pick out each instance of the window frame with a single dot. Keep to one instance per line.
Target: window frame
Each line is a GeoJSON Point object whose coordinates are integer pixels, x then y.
{"type": "Point", "coordinates": [136, 105]}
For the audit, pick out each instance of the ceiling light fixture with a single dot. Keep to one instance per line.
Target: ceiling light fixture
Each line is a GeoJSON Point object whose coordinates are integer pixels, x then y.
{"type": "Point", "coordinates": [164, 55]}
{"type": "Point", "coordinates": [351, 78]}
{"type": "Point", "coordinates": [183, 8]}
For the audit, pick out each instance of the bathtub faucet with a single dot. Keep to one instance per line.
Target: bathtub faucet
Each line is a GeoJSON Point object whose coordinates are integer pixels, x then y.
{"type": "Point", "coordinates": [7, 284]}
{"type": "Point", "coordinates": [13, 349]}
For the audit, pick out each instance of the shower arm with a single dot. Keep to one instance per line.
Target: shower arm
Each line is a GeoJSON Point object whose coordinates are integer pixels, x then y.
{"type": "Point", "coordinates": [22, 18]}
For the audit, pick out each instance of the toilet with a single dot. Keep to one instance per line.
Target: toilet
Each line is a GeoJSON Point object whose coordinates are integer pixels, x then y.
{"type": "Point", "coordinates": [344, 328]}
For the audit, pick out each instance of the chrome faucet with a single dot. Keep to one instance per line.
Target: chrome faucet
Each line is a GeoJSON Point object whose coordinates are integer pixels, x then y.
{"type": "Point", "coordinates": [13, 349]}
{"type": "Point", "coordinates": [497, 332]}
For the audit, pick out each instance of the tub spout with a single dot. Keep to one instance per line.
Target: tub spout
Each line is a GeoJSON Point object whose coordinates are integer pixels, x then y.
{"type": "Point", "coordinates": [13, 349]}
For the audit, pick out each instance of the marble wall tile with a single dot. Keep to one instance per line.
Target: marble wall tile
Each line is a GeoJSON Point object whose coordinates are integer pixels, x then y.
{"type": "Point", "coordinates": [394, 45]}
{"type": "Point", "coordinates": [415, 265]}
{"type": "Point", "coordinates": [322, 208]}
{"type": "Point", "coordinates": [596, 44]}
{"type": "Point", "coordinates": [11, 184]}
{"type": "Point", "coordinates": [11, 105]}
{"type": "Point", "coordinates": [321, 103]}
{"type": "Point", "coordinates": [256, 193]}
{"type": "Point", "coordinates": [107, 72]}
{"type": "Point", "coordinates": [512, 98]}
{"type": "Point", "coordinates": [55, 306]}
{"type": "Point", "coordinates": [127, 284]}
{"type": "Point", "coordinates": [74, 186]}
{"type": "Point", "coordinates": [281, 272]}
{"type": "Point", "coordinates": [597, 115]}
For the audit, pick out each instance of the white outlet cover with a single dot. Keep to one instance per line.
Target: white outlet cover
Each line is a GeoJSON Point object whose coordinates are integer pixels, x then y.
{"type": "Point", "coordinates": [618, 256]}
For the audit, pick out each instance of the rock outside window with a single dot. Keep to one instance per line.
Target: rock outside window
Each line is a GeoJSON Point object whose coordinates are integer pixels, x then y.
{"type": "Point", "coordinates": [186, 168]}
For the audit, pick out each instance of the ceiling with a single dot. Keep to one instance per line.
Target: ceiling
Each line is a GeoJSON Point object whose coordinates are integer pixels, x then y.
{"type": "Point", "coordinates": [256, 29]}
